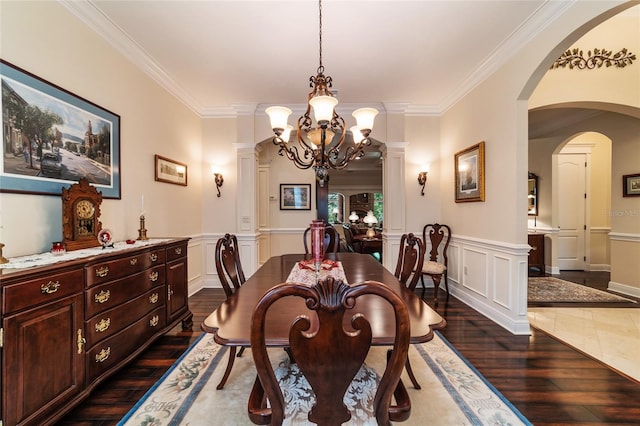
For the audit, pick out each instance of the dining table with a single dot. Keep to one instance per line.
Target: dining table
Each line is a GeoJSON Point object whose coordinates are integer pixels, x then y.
{"type": "Point", "coordinates": [230, 323]}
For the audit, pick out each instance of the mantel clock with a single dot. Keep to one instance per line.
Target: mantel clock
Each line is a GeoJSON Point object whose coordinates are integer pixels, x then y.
{"type": "Point", "coordinates": [81, 215]}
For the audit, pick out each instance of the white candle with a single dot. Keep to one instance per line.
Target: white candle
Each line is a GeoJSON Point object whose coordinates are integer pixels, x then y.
{"type": "Point", "coordinates": [142, 207]}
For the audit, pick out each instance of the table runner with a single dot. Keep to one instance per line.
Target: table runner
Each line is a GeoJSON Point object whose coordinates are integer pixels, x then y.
{"type": "Point", "coordinates": [305, 275]}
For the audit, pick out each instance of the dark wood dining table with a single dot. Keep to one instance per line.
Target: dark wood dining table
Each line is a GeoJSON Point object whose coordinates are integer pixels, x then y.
{"type": "Point", "coordinates": [231, 321]}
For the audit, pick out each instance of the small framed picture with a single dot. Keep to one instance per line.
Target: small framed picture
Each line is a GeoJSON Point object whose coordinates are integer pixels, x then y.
{"type": "Point", "coordinates": [631, 185]}
{"type": "Point", "coordinates": [170, 171]}
{"type": "Point", "coordinates": [469, 172]}
{"type": "Point", "coordinates": [295, 196]}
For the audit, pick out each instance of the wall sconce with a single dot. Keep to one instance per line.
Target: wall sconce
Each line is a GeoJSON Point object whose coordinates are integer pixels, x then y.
{"type": "Point", "coordinates": [422, 178]}
{"type": "Point", "coordinates": [217, 177]}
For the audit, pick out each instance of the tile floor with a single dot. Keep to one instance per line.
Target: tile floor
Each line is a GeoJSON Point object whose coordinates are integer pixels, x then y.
{"type": "Point", "coordinates": [611, 335]}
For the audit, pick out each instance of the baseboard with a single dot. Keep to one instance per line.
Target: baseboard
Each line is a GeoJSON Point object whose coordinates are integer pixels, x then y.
{"type": "Point", "coordinates": [595, 267]}
{"type": "Point", "coordinates": [624, 289]}
{"type": "Point", "coordinates": [509, 324]}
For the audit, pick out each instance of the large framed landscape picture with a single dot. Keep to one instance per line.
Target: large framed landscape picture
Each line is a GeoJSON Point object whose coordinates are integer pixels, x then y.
{"type": "Point", "coordinates": [52, 138]}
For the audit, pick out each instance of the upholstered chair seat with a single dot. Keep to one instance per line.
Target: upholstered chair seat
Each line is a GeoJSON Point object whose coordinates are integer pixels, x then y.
{"type": "Point", "coordinates": [431, 267]}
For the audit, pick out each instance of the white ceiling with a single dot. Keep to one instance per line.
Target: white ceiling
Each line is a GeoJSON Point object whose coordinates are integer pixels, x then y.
{"type": "Point", "coordinates": [223, 57]}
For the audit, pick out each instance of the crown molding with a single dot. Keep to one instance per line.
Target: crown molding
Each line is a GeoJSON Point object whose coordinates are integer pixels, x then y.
{"type": "Point", "coordinates": [91, 16]}
{"type": "Point", "coordinates": [524, 34]}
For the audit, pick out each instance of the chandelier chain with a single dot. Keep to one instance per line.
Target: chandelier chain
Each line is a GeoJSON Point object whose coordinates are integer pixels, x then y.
{"type": "Point", "coordinates": [320, 67]}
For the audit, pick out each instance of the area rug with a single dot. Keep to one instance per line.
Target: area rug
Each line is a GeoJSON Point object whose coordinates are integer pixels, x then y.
{"type": "Point", "coordinates": [551, 289]}
{"type": "Point", "coordinates": [453, 392]}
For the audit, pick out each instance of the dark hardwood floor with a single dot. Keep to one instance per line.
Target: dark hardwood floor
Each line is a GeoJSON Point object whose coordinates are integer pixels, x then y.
{"type": "Point", "coordinates": [550, 383]}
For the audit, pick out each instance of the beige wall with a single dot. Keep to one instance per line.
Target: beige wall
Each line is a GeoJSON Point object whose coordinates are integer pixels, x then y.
{"type": "Point", "coordinates": [44, 39]}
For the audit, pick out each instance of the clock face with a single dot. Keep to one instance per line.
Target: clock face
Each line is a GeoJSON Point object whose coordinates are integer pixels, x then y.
{"type": "Point", "coordinates": [85, 209]}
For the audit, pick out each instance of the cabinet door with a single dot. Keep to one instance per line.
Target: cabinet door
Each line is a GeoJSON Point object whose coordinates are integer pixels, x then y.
{"type": "Point", "coordinates": [42, 360]}
{"type": "Point", "coordinates": [177, 289]}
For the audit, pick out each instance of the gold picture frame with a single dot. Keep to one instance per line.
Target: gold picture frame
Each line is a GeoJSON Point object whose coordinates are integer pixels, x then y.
{"type": "Point", "coordinates": [469, 172]}
{"type": "Point", "coordinates": [170, 171]}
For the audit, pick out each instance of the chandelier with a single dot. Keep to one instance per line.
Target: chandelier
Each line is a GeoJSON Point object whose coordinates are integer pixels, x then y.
{"type": "Point", "coordinates": [322, 145]}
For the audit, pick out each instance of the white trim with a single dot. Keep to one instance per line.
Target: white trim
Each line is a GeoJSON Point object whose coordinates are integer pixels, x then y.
{"type": "Point", "coordinates": [601, 267]}
{"type": "Point", "coordinates": [619, 236]}
{"type": "Point", "coordinates": [500, 273]}
{"type": "Point", "coordinates": [624, 289]}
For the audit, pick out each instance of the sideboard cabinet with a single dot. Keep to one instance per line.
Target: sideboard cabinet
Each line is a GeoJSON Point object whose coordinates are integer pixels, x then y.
{"type": "Point", "coordinates": [67, 326]}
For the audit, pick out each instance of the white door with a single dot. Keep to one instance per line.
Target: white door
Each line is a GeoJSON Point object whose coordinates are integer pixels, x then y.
{"type": "Point", "coordinates": [572, 207]}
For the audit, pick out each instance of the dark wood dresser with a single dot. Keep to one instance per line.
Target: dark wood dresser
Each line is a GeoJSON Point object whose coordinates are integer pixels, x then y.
{"type": "Point", "coordinates": [536, 255]}
{"type": "Point", "coordinates": [67, 326]}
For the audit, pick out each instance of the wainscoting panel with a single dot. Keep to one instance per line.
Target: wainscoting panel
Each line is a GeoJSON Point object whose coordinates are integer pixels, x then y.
{"type": "Point", "coordinates": [454, 256]}
{"type": "Point", "coordinates": [474, 271]}
{"type": "Point", "coordinates": [625, 268]}
{"type": "Point", "coordinates": [194, 265]}
{"type": "Point", "coordinates": [501, 273]}
{"type": "Point", "coordinates": [490, 277]}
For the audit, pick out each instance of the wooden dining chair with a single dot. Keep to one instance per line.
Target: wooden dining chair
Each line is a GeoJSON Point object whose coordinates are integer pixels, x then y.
{"type": "Point", "coordinates": [331, 239]}
{"type": "Point", "coordinates": [231, 277]}
{"type": "Point", "coordinates": [316, 353]}
{"type": "Point", "coordinates": [436, 266]}
{"type": "Point", "coordinates": [410, 260]}
{"type": "Point", "coordinates": [352, 245]}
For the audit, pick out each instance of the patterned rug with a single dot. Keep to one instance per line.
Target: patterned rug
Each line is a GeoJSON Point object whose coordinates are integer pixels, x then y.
{"type": "Point", "coordinates": [453, 392]}
{"type": "Point", "coordinates": [551, 289]}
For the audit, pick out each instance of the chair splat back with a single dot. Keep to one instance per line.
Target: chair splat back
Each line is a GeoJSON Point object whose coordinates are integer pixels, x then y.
{"type": "Point", "coordinates": [228, 264]}
{"type": "Point", "coordinates": [316, 350]}
{"type": "Point", "coordinates": [436, 234]}
{"type": "Point", "coordinates": [435, 267]}
{"type": "Point", "coordinates": [410, 259]}
{"type": "Point", "coordinates": [331, 239]}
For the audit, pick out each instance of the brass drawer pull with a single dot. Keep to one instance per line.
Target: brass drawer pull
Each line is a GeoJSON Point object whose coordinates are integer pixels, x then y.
{"type": "Point", "coordinates": [102, 272]}
{"type": "Point", "coordinates": [154, 257]}
{"type": "Point", "coordinates": [103, 355]}
{"type": "Point", "coordinates": [154, 276]}
{"type": "Point", "coordinates": [153, 299]}
{"type": "Point", "coordinates": [154, 321]}
{"type": "Point", "coordinates": [133, 261]}
{"type": "Point", "coordinates": [103, 296]}
{"type": "Point", "coordinates": [50, 287]}
{"type": "Point", "coordinates": [103, 325]}
{"type": "Point", "coordinates": [178, 250]}
{"type": "Point", "coordinates": [80, 341]}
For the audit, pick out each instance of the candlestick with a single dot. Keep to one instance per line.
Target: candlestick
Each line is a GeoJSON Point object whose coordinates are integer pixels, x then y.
{"type": "Point", "coordinates": [2, 258]}
{"type": "Point", "coordinates": [142, 232]}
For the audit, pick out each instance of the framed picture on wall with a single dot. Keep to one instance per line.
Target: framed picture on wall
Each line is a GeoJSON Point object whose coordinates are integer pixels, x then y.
{"type": "Point", "coordinates": [52, 138]}
{"type": "Point", "coordinates": [469, 172]}
{"type": "Point", "coordinates": [295, 196]}
{"type": "Point", "coordinates": [170, 171]}
{"type": "Point", "coordinates": [631, 185]}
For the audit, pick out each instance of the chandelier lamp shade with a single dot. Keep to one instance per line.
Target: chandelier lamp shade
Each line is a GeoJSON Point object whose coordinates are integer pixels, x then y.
{"type": "Point", "coordinates": [321, 141]}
